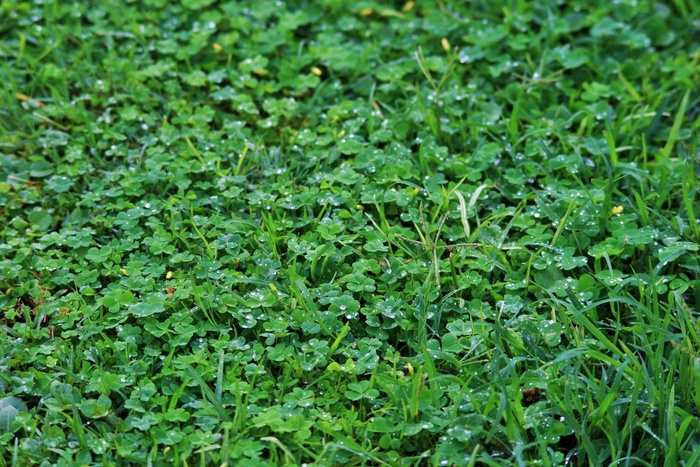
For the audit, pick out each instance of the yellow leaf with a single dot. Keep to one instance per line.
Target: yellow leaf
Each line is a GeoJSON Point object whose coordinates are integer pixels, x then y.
{"type": "Point", "coordinates": [445, 44]}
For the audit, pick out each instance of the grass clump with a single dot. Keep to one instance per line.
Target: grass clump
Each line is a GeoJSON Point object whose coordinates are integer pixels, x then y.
{"type": "Point", "coordinates": [285, 233]}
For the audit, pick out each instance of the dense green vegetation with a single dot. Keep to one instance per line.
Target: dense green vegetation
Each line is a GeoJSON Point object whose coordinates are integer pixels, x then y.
{"type": "Point", "coordinates": [366, 233]}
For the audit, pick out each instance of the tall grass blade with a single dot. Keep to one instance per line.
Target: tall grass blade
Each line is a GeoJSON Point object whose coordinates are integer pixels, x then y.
{"type": "Point", "coordinates": [675, 129]}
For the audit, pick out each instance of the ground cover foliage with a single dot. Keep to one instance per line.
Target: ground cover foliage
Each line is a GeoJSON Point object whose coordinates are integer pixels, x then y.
{"type": "Point", "coordinates": [363, 233]}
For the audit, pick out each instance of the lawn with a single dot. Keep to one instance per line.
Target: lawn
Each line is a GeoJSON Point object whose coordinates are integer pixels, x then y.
{"type": "Point", "coordinates": [430, 233]}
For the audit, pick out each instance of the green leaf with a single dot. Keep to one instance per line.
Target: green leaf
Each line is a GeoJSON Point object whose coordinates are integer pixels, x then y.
{"type": "Point", "coordinates": [96, 408]}
{"type": "Point", "coordinates": [143, 310]}
{"type": "Point", "coordinates": [41, 169]}
{"type": "Point", "coordinates": [41, 218]}
{"type": "Point", "coordinates": [10, 408]}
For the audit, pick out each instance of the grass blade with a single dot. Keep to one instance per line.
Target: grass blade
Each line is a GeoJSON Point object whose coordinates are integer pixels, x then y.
{"type": "Point", "coordinates": [208, 393]}
{"type": "Point", "coordinates": [675, 129]}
